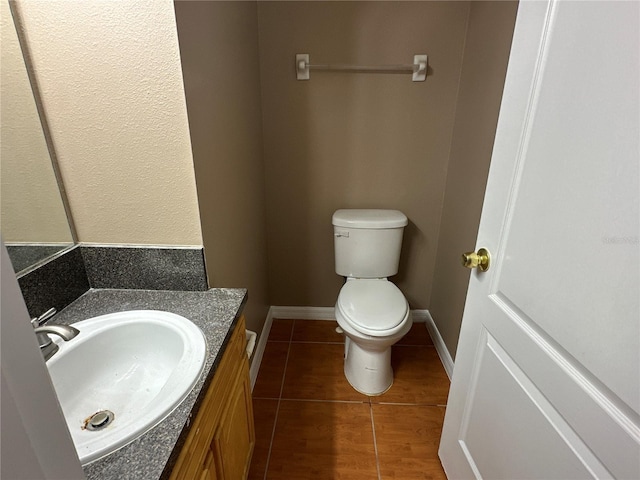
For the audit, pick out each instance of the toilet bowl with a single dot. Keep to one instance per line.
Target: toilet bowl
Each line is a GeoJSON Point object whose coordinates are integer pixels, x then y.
{"type": "Point", "coordinates": [370, 309]}
{"type": "Point", "coordinates": [374, 315]}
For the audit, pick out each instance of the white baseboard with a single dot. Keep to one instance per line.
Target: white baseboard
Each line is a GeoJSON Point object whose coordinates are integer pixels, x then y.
{"type": "Point", "coordinates": [438, 342]}
{"type": "Point", "coordinates": [304, 313]}
{"type": "Point", "coordinates": [419, 316]}
{"type": "Point", "coordinates": [260, 346]}
{"type": "Point", "coordinates": [328, 313]}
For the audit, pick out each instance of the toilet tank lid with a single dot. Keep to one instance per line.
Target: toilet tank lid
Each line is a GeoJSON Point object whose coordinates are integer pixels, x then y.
{"type": "Point", "coordinates": [369, 218]}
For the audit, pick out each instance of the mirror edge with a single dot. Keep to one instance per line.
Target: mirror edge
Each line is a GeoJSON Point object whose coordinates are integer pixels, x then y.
{"type": "Point", "coordinates": [24, 47]}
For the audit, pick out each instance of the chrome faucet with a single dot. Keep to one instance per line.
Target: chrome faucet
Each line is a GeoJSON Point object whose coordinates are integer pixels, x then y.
{"type": "Point", "coordinates": [47, 346]}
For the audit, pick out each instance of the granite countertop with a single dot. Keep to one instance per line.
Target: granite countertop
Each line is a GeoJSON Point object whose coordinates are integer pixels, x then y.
{"type": "Point", "coordinates": [216, 312]}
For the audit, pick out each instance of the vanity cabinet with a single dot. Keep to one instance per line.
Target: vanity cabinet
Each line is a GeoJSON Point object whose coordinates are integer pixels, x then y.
{"type": "Point", "coordinates": [221, 439]}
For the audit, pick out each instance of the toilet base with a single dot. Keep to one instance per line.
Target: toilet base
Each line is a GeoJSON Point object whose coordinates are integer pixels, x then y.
{"type": "Point", "coordinates": [367, 370]}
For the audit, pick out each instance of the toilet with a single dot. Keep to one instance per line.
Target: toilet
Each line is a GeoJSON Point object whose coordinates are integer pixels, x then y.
{"type": "Point", "coordinates": [370, 309]}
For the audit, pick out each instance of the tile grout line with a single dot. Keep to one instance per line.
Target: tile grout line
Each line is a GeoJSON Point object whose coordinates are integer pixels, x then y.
{"type": "Point", "coordinates": [317, 342]}
{"type": "Point", "coordinates": [375, 442]}
{"type": "Point", "coordinates": [354, 402]}
{"type": "Point", "coordinates": [351, 402]}
{"type": "Point", "coordinates": [275, 422]}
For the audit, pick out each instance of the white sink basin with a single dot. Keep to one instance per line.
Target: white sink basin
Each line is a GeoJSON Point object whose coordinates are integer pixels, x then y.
{"type": "Point", "coordinates": [139, 364]}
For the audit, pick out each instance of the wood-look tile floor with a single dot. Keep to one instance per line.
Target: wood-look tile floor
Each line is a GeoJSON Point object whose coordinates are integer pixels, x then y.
{"type": "Point", "coordinates": [311, 424]}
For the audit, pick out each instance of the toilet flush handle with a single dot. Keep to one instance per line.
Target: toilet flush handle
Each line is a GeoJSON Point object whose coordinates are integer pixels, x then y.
{"type": "Point", "coordinates": [341, 233]}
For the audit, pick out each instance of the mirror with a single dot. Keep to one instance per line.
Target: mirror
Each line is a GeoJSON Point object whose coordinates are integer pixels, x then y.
{"type": "Point", "coordinates": [33, 219]}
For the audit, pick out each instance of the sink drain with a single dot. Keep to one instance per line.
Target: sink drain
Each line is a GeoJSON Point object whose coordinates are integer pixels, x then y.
{"type": "Point", "coordinates": [99, 420]}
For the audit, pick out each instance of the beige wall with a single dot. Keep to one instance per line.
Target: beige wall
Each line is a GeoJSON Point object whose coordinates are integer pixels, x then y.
{"type": "Point", "coordinates": [355, 140]}
{"type": "Point", "coordinates": [32, 210]}
{"type": "Point", "coordinates": [219, 50]}
{"type": "Point", "coordinates": [111, 86]}
{"type": "Point", "coordinates": [483, 70]}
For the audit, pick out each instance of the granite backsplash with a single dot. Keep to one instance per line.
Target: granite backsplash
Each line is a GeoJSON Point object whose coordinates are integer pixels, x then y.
{"type": "Point", "coordinates": [60, 281]}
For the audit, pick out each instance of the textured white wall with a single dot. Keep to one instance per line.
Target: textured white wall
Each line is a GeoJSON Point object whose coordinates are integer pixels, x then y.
{"type": "Point", "coordinates": [31, 208]}
{"type": "Point", "coordinates": [111, 85]}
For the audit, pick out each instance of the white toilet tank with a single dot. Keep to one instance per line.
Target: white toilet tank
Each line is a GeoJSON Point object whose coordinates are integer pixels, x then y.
{"type": "Point", "coordinates": [367, 243]}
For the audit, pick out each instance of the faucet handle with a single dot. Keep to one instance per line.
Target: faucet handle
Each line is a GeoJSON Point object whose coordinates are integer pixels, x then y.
{"type": "Point", "coordinates": [42, 319]}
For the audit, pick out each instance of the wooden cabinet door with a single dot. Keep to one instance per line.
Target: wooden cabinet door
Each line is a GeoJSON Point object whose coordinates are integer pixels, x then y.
{"type": "Point", "coordinates": [209, 469]}
{"type": "Point", "coordinates": [221, 440]}
{"type": "Point", "coordinates": [234, 439]}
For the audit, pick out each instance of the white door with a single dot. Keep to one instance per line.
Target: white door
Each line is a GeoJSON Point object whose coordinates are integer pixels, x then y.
{"type": "Point", "coordinates": [35, 442]}
{"type": "Point", "coordinates": [546, 382]}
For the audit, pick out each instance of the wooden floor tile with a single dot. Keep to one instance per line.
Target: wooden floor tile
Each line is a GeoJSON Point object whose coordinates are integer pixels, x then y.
{"type": "Point", "coordinates": [418, 377]}
{"type": "Point", "coordinates": [323, 441]}
{"type": "Point", "coordinates": [418, 335]}
{"type": "Point", "coordinates": [316, 331]}
{"type": "Point", "coordinates": [269, 381]}
{"type": "Point", "coordinates": [315, 371]}
{"type": "Point", "coordinates": [407, 438]}
{"type": "Point", "coordinates": [264, 412]}
{"type": "Point", "coordinates": [280, 330]}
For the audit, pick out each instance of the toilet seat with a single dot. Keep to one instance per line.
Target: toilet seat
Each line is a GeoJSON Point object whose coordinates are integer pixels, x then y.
{"type": "Point", "coordinates": [374, 307]}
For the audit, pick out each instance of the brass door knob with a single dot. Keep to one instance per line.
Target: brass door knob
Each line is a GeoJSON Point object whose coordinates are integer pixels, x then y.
{"type": "Point", "coordinates": [481, 260]}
